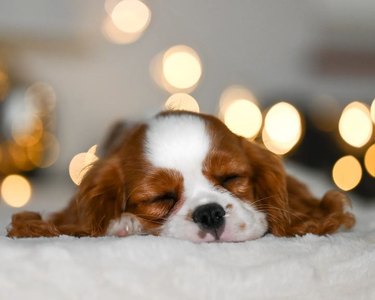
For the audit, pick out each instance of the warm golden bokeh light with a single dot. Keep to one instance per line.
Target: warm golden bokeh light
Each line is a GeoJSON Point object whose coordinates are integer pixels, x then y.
{"type": "Point", "coordinates": [52, 150]}
{"type": "Point", "coordinates": [76, 166]}
{"type": "Point", "coordinates": [373, 111]}
{"type": "Point", "coordinates": [347, 173]}
{"type": "Point", "coordinates": [42, 95]}
{"type": "Point", "coordinates": [156, 72]}
{"type": "Point", "coordinates": [181, 101]}
{"type": "Point", "coordinates": [355, 124]}
{"type": "Point", "coordinates": [90, 157]}
{"type": "Point", "coordinates": [93, 149]}
{"type": "Point", "coordinates": [80, 165]}
{"type": "Point", "coordinates": [29, 132]}
{"type": "Point", "coordinates": [272, 145]}
{"type": "Point", "coordinates": [181, 67]}
{"type": "Point", "coordinates": [244, 118]}
{"type": "Point", "coordinates": [370, 160]}
{"type": "Point", "coordinates": [131, 16]}
{"type": "Point", "coordinates": [46, 154]}
{"type": "Point", "coordinates": [231, 94]}
{"type": "Point", "coordinates": [16, 190]}
{"type": "Point", "coordinates": [282, 128]}
{"type": "Point", "coordinates": [4, 85]}
{"type": "Point", "coordinates": [114, 35]}
{"type": "Point", "coordinates": [19, 157]}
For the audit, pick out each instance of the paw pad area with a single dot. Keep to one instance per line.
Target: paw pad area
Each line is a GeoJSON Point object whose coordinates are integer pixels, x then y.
{"type": "Point", "coordinates": [126, 225]}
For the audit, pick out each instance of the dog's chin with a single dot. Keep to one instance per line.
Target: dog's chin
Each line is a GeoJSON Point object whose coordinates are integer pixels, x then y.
{"type": "Point", "coordinates": [214, 237]}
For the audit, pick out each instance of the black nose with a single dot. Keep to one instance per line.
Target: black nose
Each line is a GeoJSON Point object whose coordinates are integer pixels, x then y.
{"type": "Point", "coordinates": [209, 216]}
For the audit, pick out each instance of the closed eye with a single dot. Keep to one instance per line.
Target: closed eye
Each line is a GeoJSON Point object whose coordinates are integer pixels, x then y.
{"type": "Point", "coordinates": [166, 197]}
{"type": "Point", "coordinates": [227, 179]}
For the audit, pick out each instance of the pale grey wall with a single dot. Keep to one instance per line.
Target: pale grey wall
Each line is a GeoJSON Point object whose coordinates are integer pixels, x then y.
{"type": "Point", "coordinates": [265, 45]}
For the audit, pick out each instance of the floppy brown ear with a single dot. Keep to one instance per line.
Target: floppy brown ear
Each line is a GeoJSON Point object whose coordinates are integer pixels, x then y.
{"type": "Point", "coordinates": [317, 216]}
{"type": "Point", "coordinates": [270, 186]}
{"type": "Point", "coordinates": [99, 199]}
{"type": "Point", "coordinates": [290, 207]}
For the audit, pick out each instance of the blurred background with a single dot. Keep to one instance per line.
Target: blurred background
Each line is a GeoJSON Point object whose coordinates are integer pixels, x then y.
{"type": "Point", "coordinates": [298, 77]}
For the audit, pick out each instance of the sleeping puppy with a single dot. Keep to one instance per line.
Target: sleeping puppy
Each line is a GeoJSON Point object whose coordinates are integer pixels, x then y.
{"type": "Point", "coordinates": [186, 175]}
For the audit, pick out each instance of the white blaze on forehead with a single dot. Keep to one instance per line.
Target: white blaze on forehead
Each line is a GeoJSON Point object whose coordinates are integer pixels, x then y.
{"type": "Point", "coordinates": [178, 142]}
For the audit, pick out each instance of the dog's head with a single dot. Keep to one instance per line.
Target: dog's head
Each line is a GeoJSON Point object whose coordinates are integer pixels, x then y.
{"type": "Point", "coordinates": [187, 176]}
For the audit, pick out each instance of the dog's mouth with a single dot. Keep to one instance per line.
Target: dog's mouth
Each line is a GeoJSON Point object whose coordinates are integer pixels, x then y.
{"type": "Point", "coordinates": [214, 233]}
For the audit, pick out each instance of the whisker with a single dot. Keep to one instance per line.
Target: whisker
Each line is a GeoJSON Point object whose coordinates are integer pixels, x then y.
{"type": "Point", "coordinates": [298, 215]}
{"type": "Point", "coordinates": [265, 198]}
{"type": "Point", "coordinates": [273, 217]}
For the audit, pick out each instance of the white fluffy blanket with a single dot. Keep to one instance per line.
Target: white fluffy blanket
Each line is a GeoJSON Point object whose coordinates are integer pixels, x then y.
{"type": "Point", "coordinates": [309, 267]}
{"type": "Point", "coordinates": [341, 266]}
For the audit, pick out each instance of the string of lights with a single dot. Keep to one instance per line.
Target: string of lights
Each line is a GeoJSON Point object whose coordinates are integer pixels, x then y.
{"type": "Point", "coordinates": [29, 142]}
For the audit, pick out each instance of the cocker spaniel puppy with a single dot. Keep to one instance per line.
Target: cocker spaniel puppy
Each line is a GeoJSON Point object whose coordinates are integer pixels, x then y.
{"type": "Point", "coordinates": [187, 176]}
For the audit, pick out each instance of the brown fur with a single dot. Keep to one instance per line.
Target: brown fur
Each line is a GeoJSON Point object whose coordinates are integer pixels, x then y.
{"type": "Point", "coordinates": [124, 181]}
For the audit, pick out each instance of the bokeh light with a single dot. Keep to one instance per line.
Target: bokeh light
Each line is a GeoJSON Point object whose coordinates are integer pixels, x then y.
{"type": "Point", "coordinates": [93, 149]}
{"type": "Point", "coordinates": [355, 124]}
{"type": "Point", "coordinates": [282, 128]}
{"type": "Point", "coordinates": [45, 154]}
{"type": "Point", "coordinates": [29, 132]}
{"type": "Point", "coordinates": [91, 157]}
{"type": "Point", "coordinates": [370, 160]}
{"type": "Point", "coordinates": [28, 122]}
{"type": "Point", "coordinates": [19, 157]}
{"type": "Point", "coordinates": [373, 111]}
{"type": "Point", "coordinates": [81, 164]}
{"type": "Point", "coordinates": [181, 67]}
{"type": "Point", "coordinates": [243, 118]}
{"type": "Point", "coordinates": [181, 101]}
{"type": "Point", "coordinates": [115, 35]}
{"type": "Point", "coordinates": [16, 190]}
{"type": "Point", "coordinates": [347, 173]}
{"type": "Point", "coordinates": [51, 150]}
{"type": "Point", "coordinates": [231, 94]}
{"type": "Point", "coordinates": [42, 95]}
{"type": "Point", "coordinates": [131, 16]}
{"type": "Point", "coordinates": [4, 85]}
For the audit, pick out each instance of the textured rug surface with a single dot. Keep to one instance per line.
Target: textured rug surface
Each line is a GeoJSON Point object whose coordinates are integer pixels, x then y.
{"type": "Point", "coordinates": [310, 267]}
{"type": "Point", "coordinates": [341, 266]}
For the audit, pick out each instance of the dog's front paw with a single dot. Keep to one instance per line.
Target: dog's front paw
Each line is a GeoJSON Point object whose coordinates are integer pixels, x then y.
{"type": "Point", "coordinates": [338, 206]}
{"type": "Point", "coordinates": [335, 201]}
{"type": "Point", "coordinates": [127, 224]}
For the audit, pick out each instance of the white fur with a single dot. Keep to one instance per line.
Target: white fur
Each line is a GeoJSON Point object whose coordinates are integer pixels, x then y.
{"type": "Point", "coordinates": [126, 225]}
{"type": "Point", "coordinates": [182, 143]}
{"type": "Point", "coordinates": [178, 142]}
